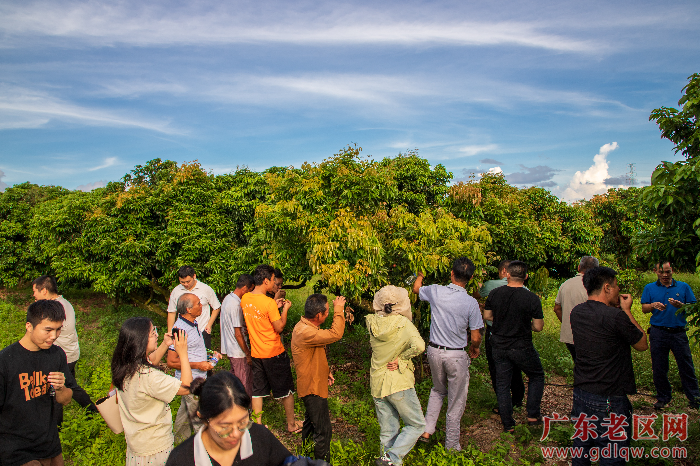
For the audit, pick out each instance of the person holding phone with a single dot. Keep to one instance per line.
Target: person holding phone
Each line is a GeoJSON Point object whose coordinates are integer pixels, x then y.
{"type": "Point", "coordinates": [668, 333]}
{"type": "Point", "coordinates": [34, 378]}
{"type": "Point", "coordinates": [144, 391]}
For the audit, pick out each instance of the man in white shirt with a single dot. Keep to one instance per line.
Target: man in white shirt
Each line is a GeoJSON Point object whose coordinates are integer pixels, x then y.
{"type": "Point", "coordinates": [210, 303]}
{"type": "Point", "coordinates": [234, 334]}
{"type": "Point", "coordinates": [572, 293]}
{"type": "Point", "coordinates": [45, 287]}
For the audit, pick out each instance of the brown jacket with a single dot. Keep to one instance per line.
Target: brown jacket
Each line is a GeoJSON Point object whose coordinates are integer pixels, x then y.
{"type": "Point", "coordinates": [309, 353]}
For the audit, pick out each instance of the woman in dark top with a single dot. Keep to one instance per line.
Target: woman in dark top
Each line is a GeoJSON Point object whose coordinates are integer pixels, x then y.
{"type": "Point", "coordinates": [229, 436]}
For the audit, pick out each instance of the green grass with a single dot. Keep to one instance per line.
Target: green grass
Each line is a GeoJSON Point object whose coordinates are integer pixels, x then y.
{"type": "Point", "coordinates": [87, 441]}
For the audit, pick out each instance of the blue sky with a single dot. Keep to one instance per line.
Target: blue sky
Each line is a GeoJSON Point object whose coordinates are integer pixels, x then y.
{"type": "Point", "coordinates": [555, 94]}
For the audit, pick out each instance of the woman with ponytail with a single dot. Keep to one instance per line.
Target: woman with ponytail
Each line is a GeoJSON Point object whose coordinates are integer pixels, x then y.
{"type": "Point", "coordinates": [228, 436]}
{"type": "Point", "coordinates": [144, 391]}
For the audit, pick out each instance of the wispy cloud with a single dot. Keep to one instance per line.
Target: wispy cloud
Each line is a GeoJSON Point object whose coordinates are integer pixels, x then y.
{"type": "Point", "coordinates": [478, 149]}
{"type": "Point", "coordinates": [532, 175]}
{"type": "Point", "coordinates": [215, 23]}
{"type": "Point", "coordinates": [491, 161]}
{"type": "Point", "coordinates": [27, 108]}
{"type": "Point", "coordinates": [109, 162]}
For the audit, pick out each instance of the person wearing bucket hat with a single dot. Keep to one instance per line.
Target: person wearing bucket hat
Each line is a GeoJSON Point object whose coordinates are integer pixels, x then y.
{"type": "Point", "coordinates": [395, 340]}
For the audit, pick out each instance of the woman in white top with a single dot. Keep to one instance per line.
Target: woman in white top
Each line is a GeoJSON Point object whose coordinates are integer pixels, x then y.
{"type": "Point", "coordinates": [144, 391]}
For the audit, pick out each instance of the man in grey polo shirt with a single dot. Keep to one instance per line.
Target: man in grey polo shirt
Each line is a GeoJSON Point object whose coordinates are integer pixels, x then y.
{"type": "Point", "coordinates": [454, 316]}
{"type": "Point", "coordinates": [189, 308]}
{"type": "Point", "coordinates": [572, 293]}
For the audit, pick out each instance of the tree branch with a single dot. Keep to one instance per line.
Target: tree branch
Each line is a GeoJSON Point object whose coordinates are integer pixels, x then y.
{"type": "Point", "coordinates": [147, 305]}
{"type": "Point", "coordinates": [295, 287]}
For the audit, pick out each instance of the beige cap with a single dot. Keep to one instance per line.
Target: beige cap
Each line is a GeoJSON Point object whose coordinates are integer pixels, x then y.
{"type": "Point", "coordinates": [391, 294]}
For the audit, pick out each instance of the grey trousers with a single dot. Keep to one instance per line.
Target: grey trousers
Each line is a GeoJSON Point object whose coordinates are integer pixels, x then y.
{"type": "Point", "coordinates": [187, 419]}
{"type": "Point", "coordinates": [450, 371]}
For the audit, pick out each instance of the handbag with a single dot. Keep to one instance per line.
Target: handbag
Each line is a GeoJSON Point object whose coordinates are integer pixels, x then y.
{"type": "Point", "coordinates": [109, 410]}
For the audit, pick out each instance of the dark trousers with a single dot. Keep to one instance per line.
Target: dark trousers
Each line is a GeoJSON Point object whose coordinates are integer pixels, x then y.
{"type": "Point", "coordinates": [520, 359]}
{"type": "Point", "coordinates": [572, 350]}
{"type": "Point", "coordinates": [317, 425]}
{"type": "Point", "coordinates": [79, 395]}
{"type": "Point", "coordinates": [601, 407]}
{"type": "Point", "coordinates": [661, 342]}
{"type": "Point", "coordinates": [517, 387]}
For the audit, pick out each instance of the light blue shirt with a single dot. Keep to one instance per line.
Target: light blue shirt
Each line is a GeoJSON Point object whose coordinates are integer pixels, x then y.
{"type": "Point", "coordinates": [452, 314]}
{"type": "Point", "coordinates": [196, 351]}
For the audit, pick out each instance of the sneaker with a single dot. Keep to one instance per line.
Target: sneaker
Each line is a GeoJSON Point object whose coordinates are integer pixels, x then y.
{"type": "Point", "coordinates": [383, 461]}
{"type": "Point", "coordinates": [659, 405]}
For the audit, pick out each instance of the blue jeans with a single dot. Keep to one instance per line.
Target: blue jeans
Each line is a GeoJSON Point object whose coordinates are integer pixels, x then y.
{"type": "Point", "coordinates": [526, 360]}
{"type": "Point", "coordinates": [592, 404]}
{"type": "Point", "coordinates": [661, 342]}
{"type": "Point", "coordinates": [406, 406]}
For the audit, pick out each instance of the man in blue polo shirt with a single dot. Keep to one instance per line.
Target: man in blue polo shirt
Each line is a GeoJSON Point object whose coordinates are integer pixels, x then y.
{"type": "Point", "coordinates": [667, 332]}
{"type": "Point", "coordinates": [189, 308]}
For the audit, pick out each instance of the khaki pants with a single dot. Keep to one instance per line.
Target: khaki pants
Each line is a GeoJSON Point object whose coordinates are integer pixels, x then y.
{"type": "Point", "coordinates": [187, 419]}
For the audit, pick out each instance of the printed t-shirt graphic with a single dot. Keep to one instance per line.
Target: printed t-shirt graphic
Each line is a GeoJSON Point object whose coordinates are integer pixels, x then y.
{"type": "Point", "coordinates": [259, 312]}
{"type": "Point", "coordinates": [27, 430]}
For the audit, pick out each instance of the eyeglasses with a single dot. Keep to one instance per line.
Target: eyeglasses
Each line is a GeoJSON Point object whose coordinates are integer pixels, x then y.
{"type": "Point", "coordinates": [226, 432]}
{"type": "Point", "coordinates": [154, 331]}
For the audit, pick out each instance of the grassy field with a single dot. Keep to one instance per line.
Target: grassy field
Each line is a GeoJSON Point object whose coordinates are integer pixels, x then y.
{"type": "Point", "coordinates": [87, 441]}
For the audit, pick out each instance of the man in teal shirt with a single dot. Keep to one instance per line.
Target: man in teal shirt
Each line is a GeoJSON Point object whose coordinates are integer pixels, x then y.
{"type": "Point", "coordinates": [668, 333]}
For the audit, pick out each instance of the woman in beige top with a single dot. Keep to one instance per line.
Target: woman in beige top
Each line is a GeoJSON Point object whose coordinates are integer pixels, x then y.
{"type": "Point", "coordinates": [144, 391]}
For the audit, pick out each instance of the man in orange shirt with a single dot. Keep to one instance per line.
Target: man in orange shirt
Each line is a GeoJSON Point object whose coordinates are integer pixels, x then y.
{"type": "Point", "coordinates": [313, 376]}
{"type": "Point", "coordinates": [271, 368]}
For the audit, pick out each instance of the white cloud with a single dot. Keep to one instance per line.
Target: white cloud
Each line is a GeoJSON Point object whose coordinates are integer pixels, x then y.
{"type": "Point", "coordinates": [145, 24]}
{"type": "Point", "coordinates": [27, 108]}
{"type": "Point", "coordinates": [91, 186]}
{"type": "Point", "coordinates": [109, 162]}
{"type": "Point", "coordinates": [587, 184]}
{"type": "Point", "coordinates": [495, 170]}
{"type": "Point", "coordinates": [478, 149]}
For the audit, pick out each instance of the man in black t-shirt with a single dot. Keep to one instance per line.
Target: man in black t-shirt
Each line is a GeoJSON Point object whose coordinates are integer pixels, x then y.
{"type": "Point", "coordinates": [603, 374]}
{"type": "Point", "coordinates": [516, 312]}
{"type": "Point", "coordinates": [34, 375]}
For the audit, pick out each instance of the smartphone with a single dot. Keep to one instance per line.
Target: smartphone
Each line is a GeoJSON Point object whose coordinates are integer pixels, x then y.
{"type": "Point", "coordinates": [177, 331]}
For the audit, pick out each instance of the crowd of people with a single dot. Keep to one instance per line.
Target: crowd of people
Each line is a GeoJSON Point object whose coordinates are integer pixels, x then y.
{"type": "Point", "coordinates": [219, 421]}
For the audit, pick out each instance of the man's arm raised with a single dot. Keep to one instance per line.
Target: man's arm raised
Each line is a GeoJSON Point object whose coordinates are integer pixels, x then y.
{"type": "Point", "coordinates": [279, 324]}
{"type": "Point", "coordinates": [418, 283]}
{"type": "Point", "coordinates": [626, 306]}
